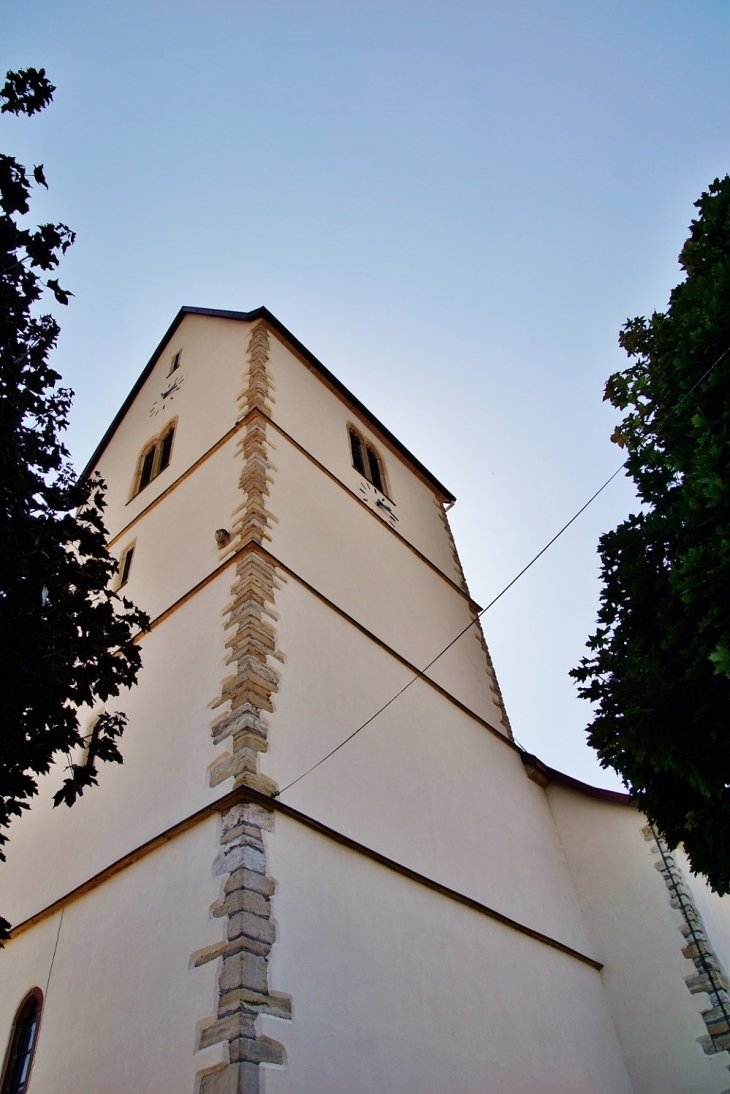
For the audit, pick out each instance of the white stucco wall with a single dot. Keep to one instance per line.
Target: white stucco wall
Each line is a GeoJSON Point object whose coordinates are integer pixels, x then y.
{"type": "Point", "coordinates": [317, 419]}
{"type": "Point", "coordinates": [394, 987]}
{"type": "Point", "coordinates": [424, 784]}
{"type": "Point", "coordinates": [350, 556]}
{"type": "Point", "coordinates": [123, 1002]}
{"type": "Point", "coordinates": [397, 989]}
{"type": "Point", "coordinates": [635, 932]}
{"type": "Point", "coordinates": [167, 750]}
{"type": "Point", "coordinates": [211, 367]}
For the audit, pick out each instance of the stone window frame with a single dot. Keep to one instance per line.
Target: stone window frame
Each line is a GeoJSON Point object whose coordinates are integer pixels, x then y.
{"type": "Point", "coordinates": [367, 454]}
{"type": "Point", "coordinates": [154, 448]}
{"type": "Point", "coordinates": [8, 1082]}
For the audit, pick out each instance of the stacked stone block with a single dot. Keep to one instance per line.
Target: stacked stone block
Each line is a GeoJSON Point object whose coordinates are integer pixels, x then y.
{"type": "Point", "coordinates": [250, 620]}
{"type": "Point", "coordinates": [709, 976]}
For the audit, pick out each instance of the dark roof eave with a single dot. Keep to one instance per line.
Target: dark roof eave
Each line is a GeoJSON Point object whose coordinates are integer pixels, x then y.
{"type": "Point", "coordinates": [317, 366]}
{"type": "Point", "coordinates": [547, 775]}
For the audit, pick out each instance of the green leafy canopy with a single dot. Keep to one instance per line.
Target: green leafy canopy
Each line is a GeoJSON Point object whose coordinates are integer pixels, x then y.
{"type": "Point", "coordinates": [66, 638]}
{"type": "Point", "coordinates": [658, 667]}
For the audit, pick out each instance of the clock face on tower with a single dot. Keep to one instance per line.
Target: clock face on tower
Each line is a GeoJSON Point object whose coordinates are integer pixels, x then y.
{"type": "Point", "coordinates": [166, 396]}
{"type": "Point", "coordinates": [383, 506]}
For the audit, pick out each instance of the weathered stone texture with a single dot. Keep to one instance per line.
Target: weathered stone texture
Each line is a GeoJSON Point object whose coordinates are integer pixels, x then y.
{"type": "Point", "coordinates": [493, 681]}
{"type": "Point", "coordinates": [233, 1079]}
{"type": "Point", "coordinates": [458, 568]}
{"type": "Point", "coordinates": [710, 977]}
{"type": "Point", "coordinates": [250, 625]}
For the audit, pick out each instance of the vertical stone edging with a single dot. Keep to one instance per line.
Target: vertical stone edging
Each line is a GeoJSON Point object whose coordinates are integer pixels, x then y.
{"type": "Point", "coordinates": [452, 544]}
{"type": "Point", "coordinates": [250, 620]}
{"type": "Point", "coordinates": [478, 632]}
{"type": "Point", "coordinates": [494, 682]}
{"type": "Point", "coordinates": [710, 976]}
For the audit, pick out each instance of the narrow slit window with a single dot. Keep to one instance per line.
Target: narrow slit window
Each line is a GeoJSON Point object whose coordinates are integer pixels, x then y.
{"type": "Point", "coordinates": [23, 1039]}
{"type": "Point", "coordinates": [175, 362]}
{"type": "Point", "coordinates": [374, 469]}
{"type": "Point", "coordinates": [126, 566]}
{"type": "Point", "coordinates": [148, 463]}
{"type": "Point", "coordinates": [166, 448]}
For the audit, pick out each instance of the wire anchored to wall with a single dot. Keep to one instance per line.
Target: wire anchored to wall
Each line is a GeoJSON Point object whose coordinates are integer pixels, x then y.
{"type": "Point", "coordinates": [419, 675]}
{"type": "Point", "coordinates": [453, 641]}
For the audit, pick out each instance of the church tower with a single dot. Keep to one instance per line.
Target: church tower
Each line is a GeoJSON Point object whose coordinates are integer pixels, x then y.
{"type": "Point", "coordinates": [419, 912]}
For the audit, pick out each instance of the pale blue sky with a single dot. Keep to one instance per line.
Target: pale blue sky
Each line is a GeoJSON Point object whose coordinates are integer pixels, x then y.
{"type": "Point", "coordinates": [454, 206]}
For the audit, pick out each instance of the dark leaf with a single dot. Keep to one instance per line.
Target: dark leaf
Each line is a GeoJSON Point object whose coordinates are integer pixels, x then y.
{"type": "Point", "coordinates": [66, 640]}
{"type": "Point", "coordinates": [61, 295]}
{"type": "Point", "coordinates": [658, 668]}
{"type": "Point", "coordinates": [26, 91]}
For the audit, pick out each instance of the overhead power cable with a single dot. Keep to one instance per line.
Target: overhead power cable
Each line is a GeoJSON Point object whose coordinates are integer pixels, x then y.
{"type": "Point", "coordinates": [419, 675]}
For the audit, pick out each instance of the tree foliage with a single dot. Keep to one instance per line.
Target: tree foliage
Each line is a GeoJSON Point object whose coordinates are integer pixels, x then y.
{"type": "Point", "coordinates": [658, 669]}
{"type": "Point", "coordinates": [66, 639]}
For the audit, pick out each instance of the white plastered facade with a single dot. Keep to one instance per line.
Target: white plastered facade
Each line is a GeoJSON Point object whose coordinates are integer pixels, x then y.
{"type": "Point", "coordinates": [190, 934]}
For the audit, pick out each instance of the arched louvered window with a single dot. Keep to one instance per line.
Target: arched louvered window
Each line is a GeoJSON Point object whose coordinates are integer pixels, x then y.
{"type": "Point", "coordinates": [366, 460]}
{"type": "Point", "coordinates": [23, 1037]}
{"type": "Point", "coordinates": [166, 447]}
{"type": "Point", "coordinates": [148, 463]}
{"type": "Point", "coordinates": [373, 468]}
{"type": "Point", "coordinates": [356, 448]}
{"type": "Point", "coordinates": [155, 457]}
